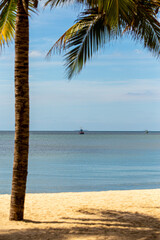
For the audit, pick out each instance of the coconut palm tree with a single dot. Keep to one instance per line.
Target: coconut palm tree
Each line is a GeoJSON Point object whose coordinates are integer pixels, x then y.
{"type": "Point", "coordinates": [14, 23]}
{"type": "Point", "coordinates": [14, 20]}
{"type": "Point", "coordinates": [104, 21]}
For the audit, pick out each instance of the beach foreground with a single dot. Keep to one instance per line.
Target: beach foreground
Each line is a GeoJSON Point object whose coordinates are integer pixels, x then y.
{"type": "Point", "coordinates": [112, 215]}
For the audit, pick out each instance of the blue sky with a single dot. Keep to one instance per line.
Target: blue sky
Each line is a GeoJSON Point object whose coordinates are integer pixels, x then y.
{"type": "Point", "coordinates": [118, 90]}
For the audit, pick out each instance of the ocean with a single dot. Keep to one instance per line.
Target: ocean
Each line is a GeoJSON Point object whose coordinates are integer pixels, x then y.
{"type": "Point", "coordinates": [95, 161]}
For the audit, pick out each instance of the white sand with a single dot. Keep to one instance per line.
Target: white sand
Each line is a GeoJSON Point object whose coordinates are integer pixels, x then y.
{"type": "Point", "coordinates": [111, 215]}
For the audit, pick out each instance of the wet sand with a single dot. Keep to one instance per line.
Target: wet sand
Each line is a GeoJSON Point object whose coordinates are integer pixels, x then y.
{"type": "Point", "coordinates": [111, 215]}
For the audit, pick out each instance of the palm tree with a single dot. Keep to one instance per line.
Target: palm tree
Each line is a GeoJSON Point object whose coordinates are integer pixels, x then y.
{"type": "Point", "coordinates": [14, 19]}
{"type": "Point", "coordinates": [105, 20]}
{"type": "Point", "coordinates": [14, 22]}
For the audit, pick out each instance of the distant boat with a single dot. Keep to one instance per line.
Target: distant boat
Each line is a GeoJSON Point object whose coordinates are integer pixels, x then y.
{"type": "Point", "coordinates": [81, 131]}
{"type": "Point", "coordinates": [146, 131]}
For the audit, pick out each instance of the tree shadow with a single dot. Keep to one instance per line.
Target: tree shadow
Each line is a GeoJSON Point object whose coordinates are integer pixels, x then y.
{"type": "Point", "coordinates": [93, 224]}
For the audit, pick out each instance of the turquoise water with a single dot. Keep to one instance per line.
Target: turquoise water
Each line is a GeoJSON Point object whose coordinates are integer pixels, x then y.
{"type": "Point", "coordinates": [95, 161]}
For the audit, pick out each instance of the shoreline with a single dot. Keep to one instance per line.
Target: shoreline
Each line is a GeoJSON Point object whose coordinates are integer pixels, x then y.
{"type": "Point", "coordinates": [100, 191]}
{"type": "Point", "coordinates": [113, 215]}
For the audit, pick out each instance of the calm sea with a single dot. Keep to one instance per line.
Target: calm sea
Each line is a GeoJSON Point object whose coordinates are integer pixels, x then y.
{"type": "Point", "coordinates": [95, 161]}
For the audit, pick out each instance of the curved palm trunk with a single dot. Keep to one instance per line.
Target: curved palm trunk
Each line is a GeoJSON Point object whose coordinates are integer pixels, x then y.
{"type": "Point", "coordinates": [21, 147]}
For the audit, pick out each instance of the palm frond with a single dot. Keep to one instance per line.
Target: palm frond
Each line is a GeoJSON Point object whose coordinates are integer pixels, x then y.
{"type": "Point", "coordinates": [114, 9]}
{"type": "Point", "coordinates": [106, 20]}
{"type": "Point", "coordinates": [62, 41]}
{"type": "Point", "coordinates": [32, 7]}
{"type": "Point", "coordinates": [83, 43]}
{"type": "Point", "coordinates": [33, 4]}
{"type": "Point", "coordinates": [7, 21]}
{"type": "Point", "coordinates": [91, 35]}
{"type": "Point", "coordinates": [145, 26]}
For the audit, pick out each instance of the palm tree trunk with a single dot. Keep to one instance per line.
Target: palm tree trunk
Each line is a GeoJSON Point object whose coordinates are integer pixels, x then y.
{"type": "Point", "coordinates": [21, 146]}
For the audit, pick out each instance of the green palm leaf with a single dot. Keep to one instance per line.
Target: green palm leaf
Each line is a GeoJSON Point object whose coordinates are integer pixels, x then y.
{"type": "Point", "coordinates": [92, 35]}
{"type": "Point", "coordinates": [84, 37]}
{"type": "Point", "coordinates": [145, 26]}
{"type": "Point", "coordinates": [8, 10]}
{"type": "Point", "coordinates": [90, 32]}
{"type": "Point", "coordinates": [7, 20]}
{"type": "Point", "coordinates": [106, 20]}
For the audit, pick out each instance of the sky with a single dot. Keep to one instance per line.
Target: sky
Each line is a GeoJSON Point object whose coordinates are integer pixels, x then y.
{"type": "Point", "coordinates": [118, 90]}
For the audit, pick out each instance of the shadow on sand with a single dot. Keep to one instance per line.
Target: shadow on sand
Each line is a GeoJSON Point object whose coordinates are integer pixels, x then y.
{"type": "Point", "coordinates": [100, 225]}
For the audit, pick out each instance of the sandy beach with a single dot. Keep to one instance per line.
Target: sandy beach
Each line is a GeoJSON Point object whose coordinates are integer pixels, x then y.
{"type": "Point", "coordinates": [112, 215]}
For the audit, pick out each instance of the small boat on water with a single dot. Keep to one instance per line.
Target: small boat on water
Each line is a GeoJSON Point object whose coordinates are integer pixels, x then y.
{"type": "Point", "coordinates": [81, 131]}
{"type": "Point", "coordinates": [146, 131]}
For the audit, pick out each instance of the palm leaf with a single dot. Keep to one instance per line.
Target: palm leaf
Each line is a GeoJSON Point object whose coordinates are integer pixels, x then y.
{"type": "Point", "coordinates": [63, 40]}
{"type": "Point", "coordinates": [106, 20]}
{"type": "Point", "coordinates": [7, 20]}
{"type": "Point", "coordinates": [100, 22]}
{"type": "Point", "coordinates": [145, 26]}
{"type": "Point", "coordinates": [84, 38]}
{"type": "Point", "coordinates": [8, 10]}
{"type": "Point", "coordinates": [84, 42]}
{"type": "Point", "coordinates": [33, 6]}
{"type": "Point", "coordinates": [93, 34]}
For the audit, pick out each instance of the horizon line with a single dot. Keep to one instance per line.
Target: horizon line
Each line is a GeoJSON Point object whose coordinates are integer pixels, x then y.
{"type": "Point", "coordinates": [85, 130]}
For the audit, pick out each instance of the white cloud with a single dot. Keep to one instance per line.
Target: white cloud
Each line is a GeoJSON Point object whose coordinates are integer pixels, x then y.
{"type": "Point", "coordinates": [35, 54]}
